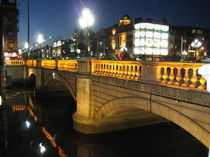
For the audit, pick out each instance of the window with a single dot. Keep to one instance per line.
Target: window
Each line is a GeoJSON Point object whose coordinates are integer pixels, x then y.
{"type": "Point", "coordinates": [11, 45]}
{"type": "Point", "coordinates": [10, 33]}
{"type": "Point", "coordinates": [199, 31]}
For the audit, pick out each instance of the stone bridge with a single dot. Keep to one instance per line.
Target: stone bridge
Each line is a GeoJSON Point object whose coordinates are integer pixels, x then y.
{"type": "Point", "coordinates": [114, 95]}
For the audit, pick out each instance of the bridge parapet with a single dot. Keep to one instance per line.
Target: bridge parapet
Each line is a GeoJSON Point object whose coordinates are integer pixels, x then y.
{"type": "Point", "coordinates": [14, 62]}
{"type": "Point", "coordinates": [181, 75]}
{"type": "Point", "coordinates": [174, 74]}
{"type": "Point", "coordinates": [31, 63]}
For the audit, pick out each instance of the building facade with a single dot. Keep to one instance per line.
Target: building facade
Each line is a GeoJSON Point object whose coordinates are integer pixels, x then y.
{"type": "Point", "coordinates": [9, 13]}
{"type": "Point", "coordinates": [116, 39]}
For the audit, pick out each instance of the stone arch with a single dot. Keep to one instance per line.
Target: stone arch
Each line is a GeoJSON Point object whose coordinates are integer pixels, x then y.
{"type": "Point", "coordinates": [160, 109]}
{"type": "Point", "coordinates": [58, 77]}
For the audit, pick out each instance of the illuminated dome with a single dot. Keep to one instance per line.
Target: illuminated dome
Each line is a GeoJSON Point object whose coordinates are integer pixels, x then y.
{"type": "Point", "coordinates": [125, 20]}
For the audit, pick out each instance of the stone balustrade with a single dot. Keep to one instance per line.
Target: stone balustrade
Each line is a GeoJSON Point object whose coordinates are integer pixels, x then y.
{"type": "Point", "coordinates": [68, 65]}
{"type": "Point", "coordinates": [120, 69]}
{"type": "Point", "coordinates": [31, 63]}
{"type": "Point", "coordinates": [14, 62]}
{"type": "Point", "coordinates": [49, 64]}
{"type": "Point", "coordinates": [176, 74]}
{"type": "Point", "coordinates": [181, 75]}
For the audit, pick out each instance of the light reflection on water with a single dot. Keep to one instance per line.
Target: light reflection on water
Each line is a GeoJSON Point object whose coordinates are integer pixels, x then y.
{"type": "Point", "coordinates": [45, 129]}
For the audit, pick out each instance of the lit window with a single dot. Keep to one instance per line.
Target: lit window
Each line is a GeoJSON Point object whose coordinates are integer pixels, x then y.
{"type": "Point", "coordinates": [149, 26]}
{"type": "Point", "coordinates": [157, 27]}
{"type": "Point", "coordinates": [148, 51]}
{"type": "Point", "coordinates": [164, 43]}
{"type": "Point", "coordinates": [142, 50]}
{"type": "Point", "coordinates": [142, 42]}
{"type": "Point", "coordinates": [164, 36]}
{"type": "Point", "coordinates": [164, 52]}
{"type": "Point", "coordinates": [165, 28]}
{"type": "Point", "coordinates": [156, 43]}
{"type": "Point", "coordinates": [143, 25]}
{"type": "Point", "coordinates": [156, 51]}
{"type": "Point", "coordinates": [137, 34]}
{"type": "Point", "coordinates": [149, 42]}
{"type": "Point", "coordinates": [142, 33]}
{"type": "Point", "coordinates": [11, 45]}
{"type": "Point", "coordinates": [149, 34]}
{"type": "Point", "coordinates": [157, 35]}
{"type": "Point", "coordinates": [137, 42]}
{"type": "Point", "coordinates": [136, 51]}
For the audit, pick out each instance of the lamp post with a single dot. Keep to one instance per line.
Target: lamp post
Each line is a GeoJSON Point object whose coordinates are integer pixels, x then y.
{"type": "Point", "coordinates": [28, 35]}
{"type": "Point", "coordinates": [86, 21]}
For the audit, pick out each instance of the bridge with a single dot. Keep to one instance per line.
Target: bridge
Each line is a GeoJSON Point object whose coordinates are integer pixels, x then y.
{"type": "Point", "coordinates": [114, 95]}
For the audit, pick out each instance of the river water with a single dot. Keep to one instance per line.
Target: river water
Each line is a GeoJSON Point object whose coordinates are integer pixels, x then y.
{"type": "Point", "coordinates": [32, 127]}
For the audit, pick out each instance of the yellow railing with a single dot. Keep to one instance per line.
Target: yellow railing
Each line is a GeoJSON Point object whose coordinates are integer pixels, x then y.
{"type": "Point", "coordinates": [181, 75]}
{"type": "Point", "coordinates": [68, 65]}
{"type": "Point", "coordinates": [176, 74]}
{"type": "Point", "coordinates": [31, 63]}
{"type": "Point", "coordinates": [120, 69]}
{"type": "Point", "coordinates": [14, 62]}
{"type": "Point", "coordinates": [49, 64]}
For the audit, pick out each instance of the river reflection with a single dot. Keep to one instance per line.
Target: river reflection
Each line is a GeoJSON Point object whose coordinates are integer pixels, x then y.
{"type": "Point", "coordinates": [43, 127]}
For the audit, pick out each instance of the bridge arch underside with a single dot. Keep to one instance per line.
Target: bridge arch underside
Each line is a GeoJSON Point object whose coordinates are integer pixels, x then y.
{"type": "Point", "coordinates": [55, 82]}
{"type": "Point", "coordinates": [153, 110]}
{"type": "Point", "coordinates": [32, 81]}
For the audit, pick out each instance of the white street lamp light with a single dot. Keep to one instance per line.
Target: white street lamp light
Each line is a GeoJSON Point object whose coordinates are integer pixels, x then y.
{"type": "Point", "coordinates": [87, 19]}
{"type": "Point", "coordinates": [40, 39]}
{"type": "Point", "coordinates": [196, 43]}
{"type": "Point", "coordinates": [26, 46]}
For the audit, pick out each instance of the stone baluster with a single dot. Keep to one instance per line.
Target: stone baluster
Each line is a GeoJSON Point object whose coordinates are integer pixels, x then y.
{"type": "Point", "coordinates": [170, 76]}
{"type": "Point", "coordinates": [165, 75]}
{"type": "Point", "coordinates": [128, 72]}
{"type": "Point", "coordinates": [178, 77]}
{"type": "Point", "coordinates": [202, 83]}
{"type": "Point", "coordinates": [186, 78]}
{"type": "Point", "coordinates": [193, 79]}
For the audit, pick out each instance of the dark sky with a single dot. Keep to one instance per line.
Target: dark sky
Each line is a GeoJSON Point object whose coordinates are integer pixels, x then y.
{"type": "Point", "coordinates": [59, 18]}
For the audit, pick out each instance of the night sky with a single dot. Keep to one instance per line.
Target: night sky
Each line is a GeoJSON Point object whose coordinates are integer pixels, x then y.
{"type": "Point", "coordinates": [59, 18]}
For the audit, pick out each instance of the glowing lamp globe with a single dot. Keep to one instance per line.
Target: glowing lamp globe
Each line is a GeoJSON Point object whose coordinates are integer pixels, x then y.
{"type": "Point", "coordinates": [87, 19]}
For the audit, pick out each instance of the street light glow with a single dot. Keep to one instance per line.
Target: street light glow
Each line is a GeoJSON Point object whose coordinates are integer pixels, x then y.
{"type": "Point", "coordinates": [87, 19]}
{"type": "Point", "coordinates": [40, 39]}
{"type": "Point", "coordinates": [26, 45]}
{"type": "Point", "coordinates": [42, 148]}
{"type": "Point", "coordinates": [196, 43]}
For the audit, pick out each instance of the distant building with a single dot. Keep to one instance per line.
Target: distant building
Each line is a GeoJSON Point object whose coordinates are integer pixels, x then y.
{"type": "Point", "coordinates": [116, 39]}
{"type": "Point", "coordinates": [151, 38]}
{"type": "Point", "coordinates": [193, 41]}
{"type": "Point", "coordinates": [9, 12]}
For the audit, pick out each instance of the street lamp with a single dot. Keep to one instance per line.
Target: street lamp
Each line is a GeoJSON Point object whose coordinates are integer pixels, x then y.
{"type": "Point", "coordinates": [40, 39]}
{"type": "Point", "coordinates": [86, 21]}
{"type": "Point", "coordinates": [196, 44]}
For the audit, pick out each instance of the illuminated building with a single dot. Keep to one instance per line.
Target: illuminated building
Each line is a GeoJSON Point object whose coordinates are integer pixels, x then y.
{"type": "Point", "coordinates": [151, 38]}
{"type": "Point", "coordinates": [10, 13]}
{"type": "Point", "coordinates": [114, 40]}
{"type": "Point", "coordinates": [122, 35]}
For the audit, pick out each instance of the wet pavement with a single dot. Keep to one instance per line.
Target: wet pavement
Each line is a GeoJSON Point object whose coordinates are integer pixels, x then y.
{"type": "Point", "coordinates": [32, 127]}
